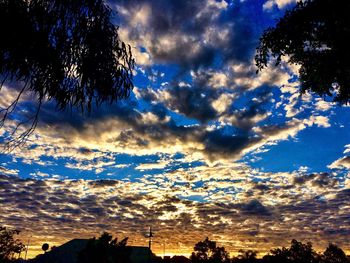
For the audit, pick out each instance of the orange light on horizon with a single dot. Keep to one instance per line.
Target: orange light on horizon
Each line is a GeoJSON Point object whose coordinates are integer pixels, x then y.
{"type": "Point", "coordinates": [158, 248]}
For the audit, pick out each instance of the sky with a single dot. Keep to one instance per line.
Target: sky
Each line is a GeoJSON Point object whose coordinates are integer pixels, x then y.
{"type": "Point", "coordinates": [203, 147]}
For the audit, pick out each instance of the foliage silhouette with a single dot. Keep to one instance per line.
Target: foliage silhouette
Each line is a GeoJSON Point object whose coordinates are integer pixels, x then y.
{"type": "Point", "coordinates": [45, 247]}
{"type": "Point", "coordinates": [65, 51]}
{"type": "Point", "coordinates": [9, 246]}
{"type": "Point", "coordinates": [304, 253]}
{"type": "Point", "coordinates": [334, 254]}
{"type": "Point", "coordinates": [105, 249]}
{"type": "Point", "coordinates": [207, 251]}
{"type": "Point", "coordinates": [316, 36]}
{"type": "Point", "coordinates": [246, 256]}
{"type": "Point", "coordinates": [298, 253]}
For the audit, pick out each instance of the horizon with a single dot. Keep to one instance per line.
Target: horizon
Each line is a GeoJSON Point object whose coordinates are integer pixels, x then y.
{"type": "Point", "coordinates": [203, 146]}
{"type": "Point", "coordinates": [158, 249]}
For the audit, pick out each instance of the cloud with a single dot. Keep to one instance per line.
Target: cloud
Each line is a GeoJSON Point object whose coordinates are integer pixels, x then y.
{"type": "Point", "coordinates": [341, 163]}
{"type": "Point", "coordinates": [160, 29]}
{"type": "Point", "coordinates": [279, 3]}
{"type": "Point", "coordinates": [182, 144]}
{"type": "Point", "coordinates": [193, 102]}
{"type": "Point", "coordinates": [6, 171]}
{"type": "Point", "coordinates": [91, 143]}
{"type": "Point", "coordinates": [194, 36]}
{"type": "Point", "coordinates": [57, 211]}
{"type": "Point", "coordinates": [321, 180]}
{"type": "Point", "coordinates": [149, 166]}
{"type": "Point", "coordinates": [214, 111]}
{"type": "Point", "coordinates": [320, 121]}
{"type": "Point", "coordinates": [254, 207]}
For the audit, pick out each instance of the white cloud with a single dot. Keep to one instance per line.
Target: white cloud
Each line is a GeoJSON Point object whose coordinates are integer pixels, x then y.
{"type": "Point", "coordinates": [341, 163]}
{"type": "Point", "coordinates": [279, 3]}
{"type": "Point", "coordinates": [223, 102]}
{"type": "Point", "coordinates": [319, 121]}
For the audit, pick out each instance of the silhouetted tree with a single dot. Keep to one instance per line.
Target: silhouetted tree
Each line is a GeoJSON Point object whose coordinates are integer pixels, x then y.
{"type": "Point", "coordinates": [207, 251]}
{"type": "Point", "coordinates": [105, 249]}
{"type": "Point", "coordinates": [246, 256]}
{"type": "Point", "coordinates": [297, 253]}
{"type": "Point", "coordinates": [9, 246]}
{"type": "Point", "coordinates": [65, 51]}
{"type": "Point", "coordinates": [45, 247]}
{"type": "Point", "coordinates": [334, 254]}
{"type": "Point", "coordinates": [278, 255]}
{"type": "Point", "coordinates": [315, 34]}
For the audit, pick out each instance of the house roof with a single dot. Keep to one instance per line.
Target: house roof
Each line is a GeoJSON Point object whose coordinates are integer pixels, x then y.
{"type": "Point", "coordinates": [68, 253]}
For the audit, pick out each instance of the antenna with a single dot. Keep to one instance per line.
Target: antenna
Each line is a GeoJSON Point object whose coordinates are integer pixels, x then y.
{"type": "Point", "coordinates": [150, 235]}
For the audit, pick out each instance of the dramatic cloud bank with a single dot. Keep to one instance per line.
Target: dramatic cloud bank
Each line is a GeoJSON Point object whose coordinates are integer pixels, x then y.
{"type": "Point", "coordinates": [239, 213]}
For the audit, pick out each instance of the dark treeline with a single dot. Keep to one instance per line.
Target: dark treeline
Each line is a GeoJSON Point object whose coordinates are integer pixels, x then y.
{"type": "Point", "coordinates": [298, 252]}
{"type": "Point", "coordinates": [107, 249]}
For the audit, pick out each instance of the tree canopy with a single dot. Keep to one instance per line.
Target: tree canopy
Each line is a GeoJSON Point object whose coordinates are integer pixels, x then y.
{"type": "Point", "coordinates": [105, 249]}
{"type": "Point", "coordinates": [315, 35]}
{"type": "Point", "coordinates": [9, 246]}
{"type": "Point", "coordinates": [334, 254]}
{"type": "Point", "coordinates": [246, 256]}
{"type": "Point", "coordinates": [297, 252]}
{"type": "Point", "coordinates": [207, 251]}
{"type": "Point", "coordinates": [65, 51]}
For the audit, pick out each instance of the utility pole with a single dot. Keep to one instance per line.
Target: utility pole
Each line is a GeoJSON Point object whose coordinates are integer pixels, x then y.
{"type": "Point", "coordinates": [150, 236]}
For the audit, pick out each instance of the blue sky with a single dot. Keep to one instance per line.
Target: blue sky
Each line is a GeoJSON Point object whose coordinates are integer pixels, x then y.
{"type": "Point", "coordinates": [204, 145]}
